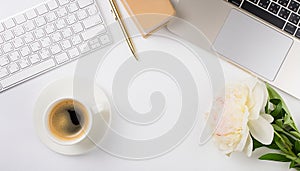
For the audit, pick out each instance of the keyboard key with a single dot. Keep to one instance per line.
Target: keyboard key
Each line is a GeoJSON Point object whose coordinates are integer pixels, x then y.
{"type": "Point", "coordinates": [63, 2]}
{"type": "Point", "coordinates": [34, 59]}
{"type": "Point", "coordinates": [264, 3]}
{"type": "Point", "coordinates": [66, 44]}
{"type": "Point", "coordinates": [8, 35]}
{"type": "Point", "coordinates": [248, 6]}
{"type": "Point", "coordinates": [290, 28]}
{"type": "Point", "coordinates": [298, 33]}
{"type": "Point", "coordinates": [72, 7]}
{"type": "Point", "coordinates": [235, 2]}
{"type": "Point", "coordinates": [39, 33]}
{"type": "Point", "coordinates": [40, 21]}
{"type": "Point", "coordinates": [29, 25]}
{"type": "Point", "coordinates": [93, 32]}
{"type": "Point", "coordinates": [31, 14]}
{"type": "Point", "coordinates": [92, 21]}
{"type": "Point", "coordinates": [28, 38]}
{"type": "Point", "coordinates": [92, 10]}
{"type": "Point", "coordinates": [84, 3]}
{"type": "Point", "coordinates": [84, 48]}
{"type": "Point", "coordinates": [42, 9]}
{"type": "Point", "coordinates": [18, 31]}
{"type": "Point", "coordinates": [105, 39]}
{"type": "Point", "coordinates": [294, 18]}
{"type": "Point", "coordinates": [71, 19]}
{"type": "Point", "coordinates": [52, 5]}
{"type": "Point", "coordinates": [36, 69]}
{"type": "Point", "coordinates": [18, 42]}
{"type": "Point", "coordinates": [35, 46]}
{"type": "Point", "coordinates": [283, 2]}
{"type": "Point", "coordinates": [94, 44]}
{"type": "Point", "coordinates": [73, 53]}
{"type": "Point", "coordinates": [13, 68]}
{"type": "Point", "coordinates": [67, 32]}
{"type": "Point", "coordinates": [25, 51]}
{"type": "Point", "coordinates": [50, 28]}
{"type": "Point", "coordinates": [45, 54]}
{"type": "Point", "coordinates": [55, 49]}
{"type": "Point", "coordinates": [61, 58]}
{"type": "Point", "coordinates": [274, 8]}
{"type": "Point", "coordinates": [81, 14]}
{"type": "Point", "coordinates": [23, 63]}
{"type": "Point", "coordinates": [56, 37]}
{"type": "Point", "coordinates": [294, 6]}
{"type": "Point", "coordinates": [284, 13]}
{"type": "Point", "coordinates": [254, 1]}
{"type": "Point", "coordinates": [60, 24]}
{"type": "Point", "coordinates": [14, 56]}
{"type": "Point", "coordinates": [77, 28]}
{"type": "Point", "coordinates": [51, 17]}
{"type": "Point", "coordinates": [1, 28]}
{"type": "Point", "coordinates": [3, 72]}
{"type": "Point", "coordinates": [45, 42]}
{"type": "Point", "coordinates": [61, 12]}
{"type": "Point", "coordinates": [76, 40]}
{"type": "Point", "coordinates": [8, 47]}
{"type": "Point", "coordinates": [9, 23]}
{"type": "Point", "coordinates": [20, 19]}
{"type": "Point", "coordinates": [4, 61]}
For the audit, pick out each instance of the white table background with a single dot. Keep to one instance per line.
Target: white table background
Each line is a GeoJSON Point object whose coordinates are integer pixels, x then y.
{"type": "Point", "coordinates": [20, 148]}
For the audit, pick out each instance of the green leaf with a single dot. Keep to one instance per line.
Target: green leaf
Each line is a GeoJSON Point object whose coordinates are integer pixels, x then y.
{"type": "Point", "coordinates": [275, 101]}
{"type": "Point", "coordinates": [292, 165]}
{"type": "Point", "coordinates": [287, 141]}
{"type": "Point", "coordinates": [289, 123]}
{"type": "Point", "coordinates": [277, 112]}
{"type": "Point", "coordinates": [287, 120]}
{"type": "Point", "coordinates": [274, 95]}
{"type": "Point", "coordinates": [281, 144]}
{"type": "Point", "coordinates": [295, 134]}
{"type": "Point", "coordinates": [273, 146]}
{"type": "Point", "coordinates": [279, 122]}
{"type": "Point", "coordinates": [267, 107]}
{"type": "Point", "coordinates": [275, 157]}
{"type": "Point", "coordinates": [277, 128]}
{"type": "Point", "coordinates": [256, 144]}
{"type": "Point", "coordinates": [297, 146]}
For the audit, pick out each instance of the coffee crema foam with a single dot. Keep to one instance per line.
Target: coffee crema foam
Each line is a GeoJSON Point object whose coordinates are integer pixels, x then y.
{"type": "Point", "coordinates": [68, 120]}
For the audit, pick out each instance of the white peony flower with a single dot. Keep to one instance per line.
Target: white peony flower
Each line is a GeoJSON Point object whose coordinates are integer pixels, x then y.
{"type": "Point", "coordinates": [243, 115]}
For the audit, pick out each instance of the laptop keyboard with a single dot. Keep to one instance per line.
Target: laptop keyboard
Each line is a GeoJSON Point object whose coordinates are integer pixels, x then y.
{"type": "Point", "coordinates": [283, 14]}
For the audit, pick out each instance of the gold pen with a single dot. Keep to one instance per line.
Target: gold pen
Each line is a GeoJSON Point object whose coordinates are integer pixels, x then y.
{"type": "Point", "coordinates": [116, 11]}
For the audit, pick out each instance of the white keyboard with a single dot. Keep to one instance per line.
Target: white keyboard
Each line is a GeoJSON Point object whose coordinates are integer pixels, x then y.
{"type": "Point", "coordinates": [47, 36]}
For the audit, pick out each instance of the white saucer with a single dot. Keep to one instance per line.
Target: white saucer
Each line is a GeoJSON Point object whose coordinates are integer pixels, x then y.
{"type": "Point", "coordinates": [64, 89]}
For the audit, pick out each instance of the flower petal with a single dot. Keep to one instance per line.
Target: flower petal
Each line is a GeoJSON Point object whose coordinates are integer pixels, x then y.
{"type": "Point", "coordinates": [245, 133]}
{"type": "Point", "coordinates": [258, 99]}
{"type": "Point", "coordinates": [249, 146]}
{"type": "Point", "coordinates": [261, 130]}
{"type": "Point", "coordinates": [251, 82]}
{"type": "Point", "coordinates": [268, 117]}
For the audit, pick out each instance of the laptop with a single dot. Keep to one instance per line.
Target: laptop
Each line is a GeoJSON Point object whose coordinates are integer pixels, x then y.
{"type": "Point", "coordinates": [259, 36]}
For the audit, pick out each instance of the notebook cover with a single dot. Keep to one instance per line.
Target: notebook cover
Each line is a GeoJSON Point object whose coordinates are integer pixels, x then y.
{"type": "Point", "coordinates": [149, 15]}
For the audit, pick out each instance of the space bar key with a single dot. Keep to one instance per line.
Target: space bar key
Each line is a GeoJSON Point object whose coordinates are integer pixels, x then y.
{"type": "Point", "coordinates": [33, 70]}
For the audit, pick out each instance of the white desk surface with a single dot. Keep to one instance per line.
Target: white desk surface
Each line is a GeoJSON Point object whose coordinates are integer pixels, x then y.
{"type": "Point", "coordinates": [20, 148]}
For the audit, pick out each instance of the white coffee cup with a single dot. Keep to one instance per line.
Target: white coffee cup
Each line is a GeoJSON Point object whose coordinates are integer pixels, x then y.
{"type": "Point", "coordinates": [95, 122]}
{"type": "Point", "coordinates": [68, 121]}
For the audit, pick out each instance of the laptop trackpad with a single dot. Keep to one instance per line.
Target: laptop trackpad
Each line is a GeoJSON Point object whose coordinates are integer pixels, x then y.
{"type": "Point", "coordinates": [252, 45]}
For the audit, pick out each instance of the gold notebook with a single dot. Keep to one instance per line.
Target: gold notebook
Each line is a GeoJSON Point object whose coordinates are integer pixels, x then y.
{"type": "Point", "coordinates": [149, 15]}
